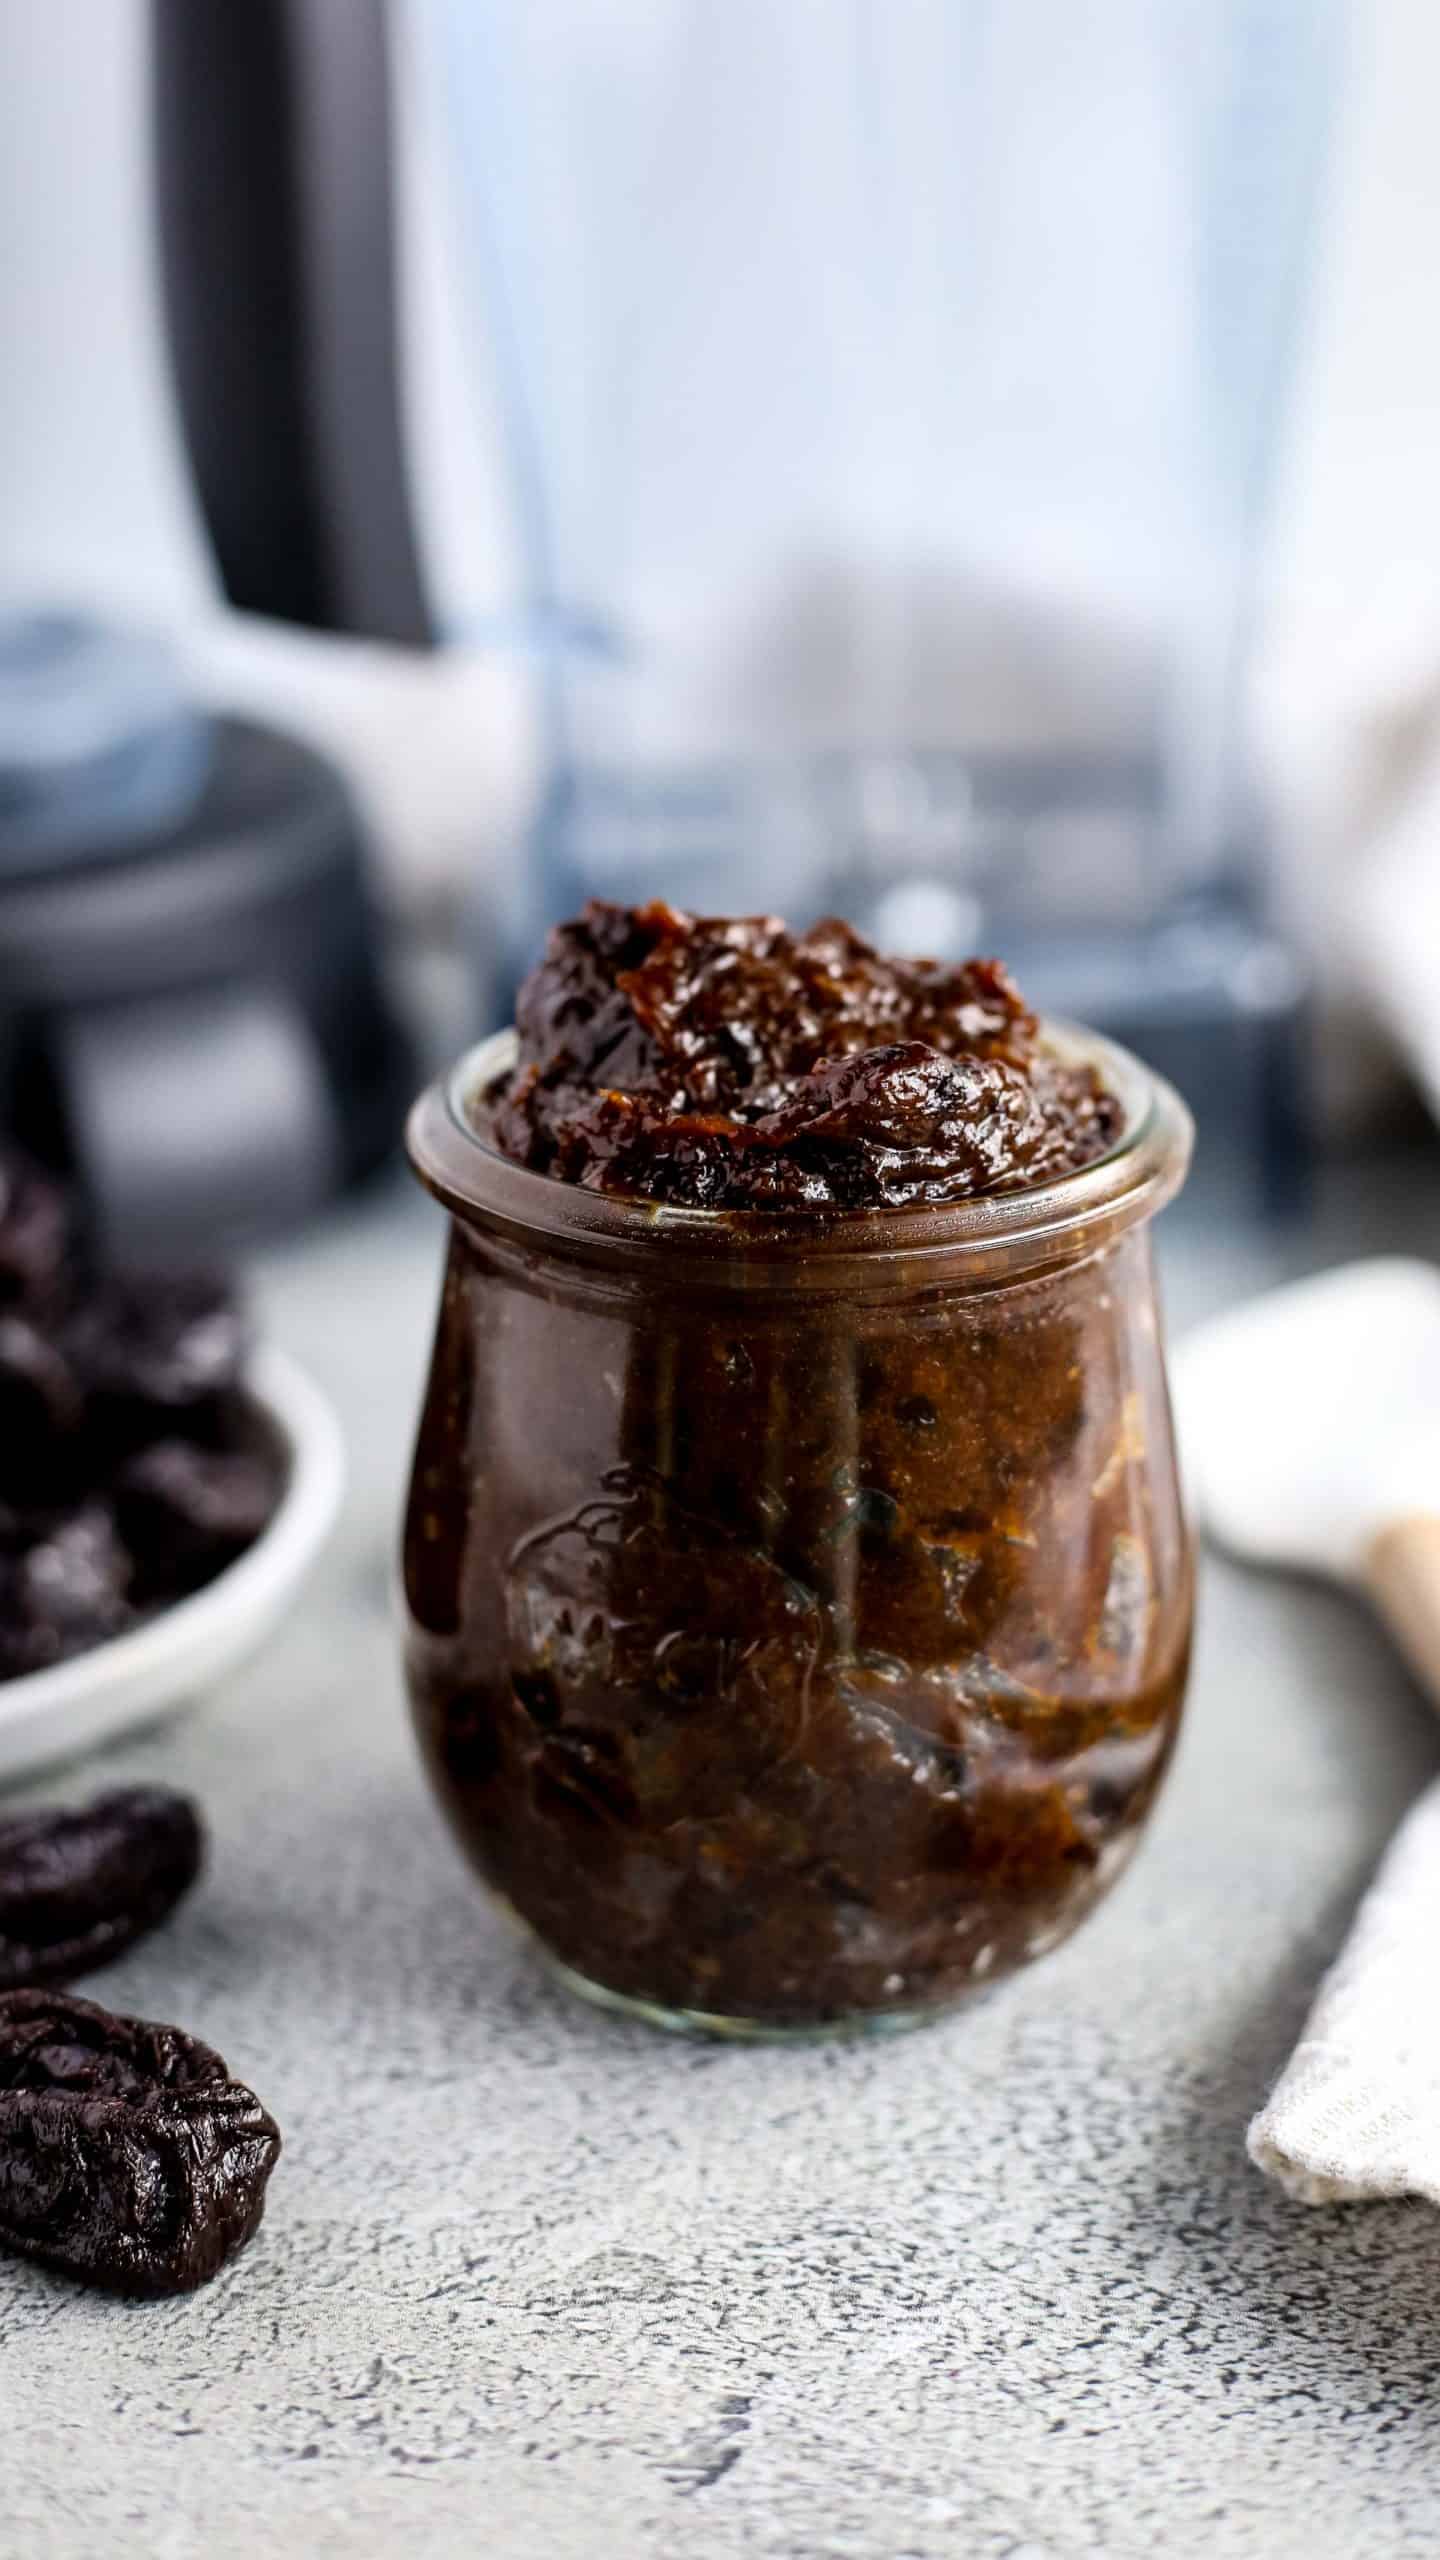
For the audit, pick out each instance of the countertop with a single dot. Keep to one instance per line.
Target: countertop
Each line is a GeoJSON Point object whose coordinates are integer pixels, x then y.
{"type": "Point", "coordinates": [545, 2286]}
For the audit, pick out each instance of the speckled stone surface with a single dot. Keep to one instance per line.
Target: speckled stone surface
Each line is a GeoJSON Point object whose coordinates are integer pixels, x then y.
{"type": "Point", "coordinates": [542, 2286]}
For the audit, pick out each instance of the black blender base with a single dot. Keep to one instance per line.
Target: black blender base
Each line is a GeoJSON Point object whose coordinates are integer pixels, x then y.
{"type": "Point", "coordinates": [198, 1028]}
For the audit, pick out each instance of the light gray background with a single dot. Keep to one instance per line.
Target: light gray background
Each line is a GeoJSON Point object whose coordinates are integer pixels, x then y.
{"type": "Point", "coordinates": [538, 2285]}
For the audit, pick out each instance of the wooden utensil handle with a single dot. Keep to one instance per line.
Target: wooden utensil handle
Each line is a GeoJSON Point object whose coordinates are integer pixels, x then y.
{"type": "Point", "coordinates": [1402, 1571]}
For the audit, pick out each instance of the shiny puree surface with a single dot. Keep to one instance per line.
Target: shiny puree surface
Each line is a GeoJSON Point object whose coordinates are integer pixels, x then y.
{"type": "Point", "coordinates": [720, 1062]}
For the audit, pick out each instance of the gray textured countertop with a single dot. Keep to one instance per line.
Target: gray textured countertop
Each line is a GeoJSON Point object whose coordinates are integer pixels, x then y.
{"type": "Point", "coordinates": [542, 2286]}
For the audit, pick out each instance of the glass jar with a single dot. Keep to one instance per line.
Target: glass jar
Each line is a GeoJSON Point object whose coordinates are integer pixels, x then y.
{"type": "Point", "coordinates": [798, 1609]}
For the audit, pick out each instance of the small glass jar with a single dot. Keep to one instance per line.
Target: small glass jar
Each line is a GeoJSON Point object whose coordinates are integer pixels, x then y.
{"type": "Point", "coordinates": [798, 1609]}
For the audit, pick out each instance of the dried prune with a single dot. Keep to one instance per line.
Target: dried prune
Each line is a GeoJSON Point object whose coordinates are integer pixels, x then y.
{"type": "Point", "coordinates": [67, 1589]}
{"type": "Point", "coordinates": [129, 2157]}
{"type": "Point", "coordinates": [131, 1465]}
{"type": "Point", "coordinates": [156, 1354]}
{"type": "Point", "coordinates": [185, 1513]}
{"type": "Point", "coordinates": [35, 1233]}
{"type": "Point", "coordinates": [40, 1410]}
{"type": "Point", "coordinates": [78, 1888]}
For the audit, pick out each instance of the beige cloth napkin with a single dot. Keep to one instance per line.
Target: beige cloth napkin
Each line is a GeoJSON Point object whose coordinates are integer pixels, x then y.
{"type": "Point", "coordinates": [1355, 2114]}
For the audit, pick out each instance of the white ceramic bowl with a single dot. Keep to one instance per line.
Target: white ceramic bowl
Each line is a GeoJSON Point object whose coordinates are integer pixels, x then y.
{"type": "Point", "coordinates": [49, 1715]}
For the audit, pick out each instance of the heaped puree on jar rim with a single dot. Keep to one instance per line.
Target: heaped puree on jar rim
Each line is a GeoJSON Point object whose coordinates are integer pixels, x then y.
{"type": "Point", "coordinates": [727, 1063]}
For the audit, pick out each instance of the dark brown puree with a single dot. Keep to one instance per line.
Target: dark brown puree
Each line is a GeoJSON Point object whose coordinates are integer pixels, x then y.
{"type": "Point", "coordinates": [789, 1657]}
{"type": "Point", "coordinates": [727, 1064]}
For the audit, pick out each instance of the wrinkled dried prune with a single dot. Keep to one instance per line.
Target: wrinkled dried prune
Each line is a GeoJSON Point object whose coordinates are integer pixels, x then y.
{"type": "Point", "coordinates": [157, 1354]}
{"type": "Point", "coordinates": [122, 1416]}
{"type": "Point", "coordinates": [78, 1888]}
{"type": "Point", "coordinates": [129, 2158]}
{"type": "Point", "coordinates": [65, 1590]}
{"type": "Point", "coordinates": [35, 1233]}
{"type": "Point", "coordinates": [186, 1512]}
{"type": "Point", "coordinates": [40, 1410]}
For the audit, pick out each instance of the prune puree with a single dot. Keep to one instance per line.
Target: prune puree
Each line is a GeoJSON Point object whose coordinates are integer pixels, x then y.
{"type": "Point", "coordinates": [798, 1613]}
{"type": "Point", "coordinates": [722, 1063]}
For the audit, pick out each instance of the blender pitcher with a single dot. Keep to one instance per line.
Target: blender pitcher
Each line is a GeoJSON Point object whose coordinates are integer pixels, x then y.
{"type": "Point", "coordinates": [890, 390]}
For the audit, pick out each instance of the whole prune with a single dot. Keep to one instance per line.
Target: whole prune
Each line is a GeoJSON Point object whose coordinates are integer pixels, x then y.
{"type": "Point", "coordinates": [157, 1354]}
{"type": "Point", "coordinates": [35, 1233]}
{"type": "Point", "coordinates": [40, 1412]}
{"type": "Point", "coordinates": [19, 1528]}
{"type": "Point", "coordinates": [185, 1513]}
{"type": "Point", "coordinates": [78, 1888]}
{"type": "Point", "coordinates": [129, 2158]}
{"type": "Point", "coordinates": [122, 1412]}
{"type": "Point", "coordinates": [66, 1590]}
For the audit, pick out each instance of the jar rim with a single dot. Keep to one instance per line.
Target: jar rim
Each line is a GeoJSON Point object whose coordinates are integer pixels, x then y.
{"type": "Point", "coordinates": [994, 1235]}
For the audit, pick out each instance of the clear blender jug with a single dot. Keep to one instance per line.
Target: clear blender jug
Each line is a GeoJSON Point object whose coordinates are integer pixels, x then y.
{"type": "Point", "coordinates": [891, 389]}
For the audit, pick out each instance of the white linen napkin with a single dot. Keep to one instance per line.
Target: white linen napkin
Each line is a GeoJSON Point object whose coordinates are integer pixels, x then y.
{"type": "Point", "coordinates": [1355, 2115]}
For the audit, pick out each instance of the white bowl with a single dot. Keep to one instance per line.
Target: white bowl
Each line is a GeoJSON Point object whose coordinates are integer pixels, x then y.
{"type": "Point", "coordinates": [49, 1715]}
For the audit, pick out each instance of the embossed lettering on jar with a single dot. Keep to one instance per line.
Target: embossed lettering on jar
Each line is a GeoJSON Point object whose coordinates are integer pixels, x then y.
{"type": "Point", "coordinates": [797, 1623]}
